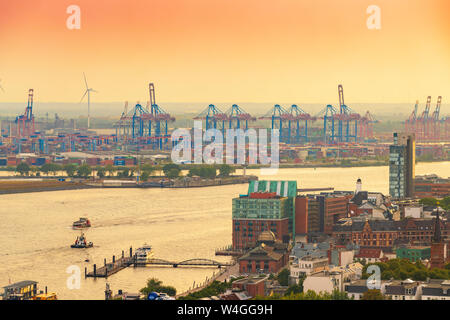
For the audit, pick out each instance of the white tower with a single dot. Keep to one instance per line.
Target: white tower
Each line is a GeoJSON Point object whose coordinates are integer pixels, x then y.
{"type": "Point", "coordinates": [358, 186]}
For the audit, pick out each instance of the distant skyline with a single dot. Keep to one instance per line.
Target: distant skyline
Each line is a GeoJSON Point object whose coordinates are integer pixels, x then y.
{"type": "Point", "coordinates": [393, 111]}
{"type": "Point", "coordinates": [226, 50]}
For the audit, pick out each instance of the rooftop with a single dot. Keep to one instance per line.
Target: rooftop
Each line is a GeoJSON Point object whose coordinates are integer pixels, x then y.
{"type": "Point", "coordinates": [20, 284]}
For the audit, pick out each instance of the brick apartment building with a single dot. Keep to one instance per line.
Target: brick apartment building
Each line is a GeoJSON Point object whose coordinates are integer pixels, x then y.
{"type": "Point", "coordinates": [388, 234]}
{"type": "Point", "coordinates": [254, 286]}
{"type": "Point", "coordinates": [369, 233]}
{"type": "Point", "coordinates": [431, 186]}
{"type": "Point", "coordinates": [318, 213]}
{"type": "Point", "coordinates": [269, 256]}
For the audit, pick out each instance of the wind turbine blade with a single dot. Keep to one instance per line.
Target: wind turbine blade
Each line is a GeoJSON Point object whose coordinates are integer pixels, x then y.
{"type": "Point", "coordinates": [83, 96]}
{"type": "Point", "coordinates": [85, 81]}
{"type": "Point", "coordinates": [2, 88]}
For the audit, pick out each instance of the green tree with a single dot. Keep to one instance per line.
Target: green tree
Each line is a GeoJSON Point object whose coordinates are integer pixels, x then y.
{"type": "Point", "coordinates": [283, 277]}
{"type": "Point", "coordinates": [154, 285]}
{"type": "Point", "coordinates": [295, 289]}
{"type": "Point", "coordinates": [70, 169]}
{"type": "Point", "coordinates": [372, 294]}
{"type": "Point", "coordinates": [225, 170]}
{"type": "Point", "coordinates": [214, 289]}
{"type": "Point", "coordinates": [401, 269]}
{"type": "Point", "coordinates": [23, 168]}
{"type": "Point", "coordinates": [309, 295]}
{"type": "Point", "coordinates": [46, 168]}
{"type": "Point", "coordinates": [123, 172]}
{"type": "Point", "coordinates": [34, 171]}
{"type": "Point", "coordinates": [428, 201]}
{"type": "Point", "coordinates": [173, 173]}
{"type": "Point", "coordinates": [419, 275]}
{"type": "Point", "coordinates": [101, 172]}
{"type": "Point", "coordinates": [204, 171]}
{"type": "Point", "coordinates": [54, 168]}
{"type": "Point", "coordinates": [148, 168]}
{"type": "Point", "coordinates": [445, 203]}
{"type": "Point", "coordinates": [111, 169]}
{"type": "Point", "coordinates": [171, 167]}
{"type": "Point", "coordinates": [84, 171]}
{"type": "Point", "coordinates": [144, 176]}
{"type": "Point", "coordinates": [387, 275]}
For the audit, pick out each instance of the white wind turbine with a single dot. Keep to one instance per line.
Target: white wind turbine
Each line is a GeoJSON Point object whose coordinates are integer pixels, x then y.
{"type": "Point", "coordinates": [88, 92]}
{"type": "Point", "coordinates": [1, 86]}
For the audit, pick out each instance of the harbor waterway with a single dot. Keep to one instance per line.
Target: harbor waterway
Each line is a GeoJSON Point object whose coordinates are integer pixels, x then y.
{"type": "Point", "coordinates": [180, 224]}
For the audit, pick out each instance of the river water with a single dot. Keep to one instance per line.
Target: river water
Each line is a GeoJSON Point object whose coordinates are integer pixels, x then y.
{"type": "Point", "coordinates": [180, 224]}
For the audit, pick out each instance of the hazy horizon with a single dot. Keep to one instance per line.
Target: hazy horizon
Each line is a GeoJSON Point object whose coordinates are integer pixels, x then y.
{"type": "Point", "coordinates": [221, 50]}
{"type": "Point", "coordinates": [115, 109]}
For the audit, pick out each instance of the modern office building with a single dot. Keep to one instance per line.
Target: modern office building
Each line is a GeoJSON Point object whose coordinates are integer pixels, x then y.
{"type": "Point", "coordinates": [413, 253]}
{"type": "Point", "coordinates": [401, 166]}
{"type": "Point", "coordinates": [318, 213]}
{"type": "Point", "coordinates": [268, 206]}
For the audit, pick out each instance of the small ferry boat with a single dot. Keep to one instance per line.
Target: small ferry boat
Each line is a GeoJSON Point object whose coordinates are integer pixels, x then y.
{"type": "Point", "coordinates": [81, 223]}
{"type": "Point", "coordinates": [45, 296]}
{"type": "Point", "coordinates": [26, 290]}
{"type": "Point", "coordinates": [82, 243]}
{"type": "Point", "coordinates": [144, 253]}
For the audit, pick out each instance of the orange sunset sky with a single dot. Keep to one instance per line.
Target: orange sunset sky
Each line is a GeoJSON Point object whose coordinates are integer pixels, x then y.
{"type": "Point", "coordinates": [226, 50]}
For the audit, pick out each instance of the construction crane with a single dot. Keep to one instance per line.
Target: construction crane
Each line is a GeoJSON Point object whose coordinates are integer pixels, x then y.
{"type": "Point", "coordinates": [25, 122]}
{"type": "Point", "coordinates": [237, 116]}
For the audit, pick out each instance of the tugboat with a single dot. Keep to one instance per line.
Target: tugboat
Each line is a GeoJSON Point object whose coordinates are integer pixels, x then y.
{"type": "Point", "coordinates": [81, 242]}
{"type": "Point", "coordinates": [81, 224]}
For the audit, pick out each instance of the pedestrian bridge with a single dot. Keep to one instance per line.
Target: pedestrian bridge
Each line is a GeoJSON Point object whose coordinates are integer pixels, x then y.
{"type": "Point", "coordinates": [188, 263]}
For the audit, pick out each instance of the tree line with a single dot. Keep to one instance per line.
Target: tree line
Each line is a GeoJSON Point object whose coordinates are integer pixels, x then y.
{"type": "Point", "coordinates": [170, 170]}
{"type": "Point", "coordinates": [444, 203]}
{"type": "Point", "coordinates": [402, 269]}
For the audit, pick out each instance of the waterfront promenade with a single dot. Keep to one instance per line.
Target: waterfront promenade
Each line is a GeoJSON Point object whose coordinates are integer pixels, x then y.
{"type": "Point", "coordinates": [221, 276]}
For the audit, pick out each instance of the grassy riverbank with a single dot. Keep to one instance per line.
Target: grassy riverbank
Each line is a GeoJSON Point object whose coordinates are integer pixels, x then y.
{"type": "Point", "coordinates": [23, 186]}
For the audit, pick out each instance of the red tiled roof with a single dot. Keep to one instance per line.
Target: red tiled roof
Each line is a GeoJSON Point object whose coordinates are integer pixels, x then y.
{"type": "Point", "coordinates": [369, 253]}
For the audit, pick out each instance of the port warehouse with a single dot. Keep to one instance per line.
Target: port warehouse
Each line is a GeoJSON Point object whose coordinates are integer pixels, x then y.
{"type": "Point", "coordinates": [331, 132]}
{"type": "Point", "coordinates": [92, 159]}
{"type": "Point", "coordinates": [276, 206]}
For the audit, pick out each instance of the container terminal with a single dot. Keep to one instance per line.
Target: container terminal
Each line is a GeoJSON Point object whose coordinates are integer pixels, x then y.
{"type": "Point", "coordinates": [333, 132]}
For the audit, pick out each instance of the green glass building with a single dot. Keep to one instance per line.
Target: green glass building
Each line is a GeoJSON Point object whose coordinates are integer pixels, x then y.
{"type": "Point", "coordinates": [413, 254]}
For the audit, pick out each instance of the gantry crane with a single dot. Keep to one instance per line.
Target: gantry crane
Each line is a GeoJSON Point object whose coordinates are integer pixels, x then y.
{"type": "Point", "coordinates": [280, 118]}
{"type": "Point", "coordinates": [25, 122]}
{"type": "Point", "coordinates": [237, 117]}
{"type": "Point", "coordinates": [214, 118]}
